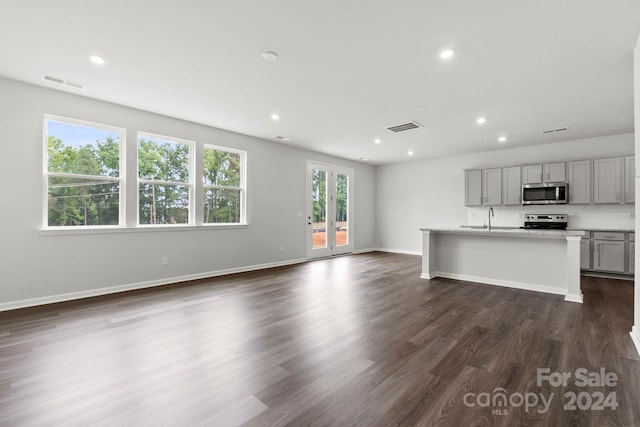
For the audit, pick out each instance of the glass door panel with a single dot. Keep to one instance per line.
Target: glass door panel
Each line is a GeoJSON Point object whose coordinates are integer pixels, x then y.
{"type": "Point", "coordinates": [342, 210]}
{"type": "Point", "coordinates": [329, 210]}
{"type": "Point", "coordinates": [320, 208]}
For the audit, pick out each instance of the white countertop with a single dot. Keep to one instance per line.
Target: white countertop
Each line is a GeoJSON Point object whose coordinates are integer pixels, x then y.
{"type": "Point", "coordinates": [506, 232]}
{"type": "Point", "coordinates": [608, 229]}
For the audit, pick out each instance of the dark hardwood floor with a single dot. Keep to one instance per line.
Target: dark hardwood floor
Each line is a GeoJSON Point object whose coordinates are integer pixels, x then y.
{"type": "Point", "coordinates": [356, 340]}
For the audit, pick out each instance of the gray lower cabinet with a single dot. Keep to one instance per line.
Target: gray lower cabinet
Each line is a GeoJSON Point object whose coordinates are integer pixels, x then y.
{"type": "Point", "coordinates": [609, 250]}
{"type": "Point", "coordinates": [585, 252]}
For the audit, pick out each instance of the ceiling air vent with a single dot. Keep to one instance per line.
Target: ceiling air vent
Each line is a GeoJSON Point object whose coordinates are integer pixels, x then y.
{"type": "Point", "coordinates": [555, 130]}
{"type": "Point", "coordinates": [404, 126]}
{"type": "Point", "coordinates": [61, 81]}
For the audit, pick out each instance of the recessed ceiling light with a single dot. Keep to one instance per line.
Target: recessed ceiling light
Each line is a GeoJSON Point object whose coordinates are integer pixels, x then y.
{"type": "Point", "coordinates": [377, 141]}
{"type": "Point", "coordinates": [97, 59]}
{"type": "Point", "coordinates": [502, 139]}
{"type": "Point", "coordinates": [269, 56]}
{"type": "Point", "coordinates": [283, 138]}
{"type": "Point", "coordinates": [481, 120]}
{"type": "Point", "coordinates": [275, 116]}
{"type": "Point", "coordinates": [410, 153]}
{"type": "Point", "coordinates": [364, 159]}
{"type": "Point", "coordinates": [446, 54]}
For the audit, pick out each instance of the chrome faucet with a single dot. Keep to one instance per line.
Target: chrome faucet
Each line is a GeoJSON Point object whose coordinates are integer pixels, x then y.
{"type": "Point", "coordinates": [490, 215]}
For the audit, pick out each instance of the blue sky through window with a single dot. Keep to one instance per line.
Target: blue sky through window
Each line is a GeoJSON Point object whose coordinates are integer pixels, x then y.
{"type": "Point", "coordinates": [77, 135]}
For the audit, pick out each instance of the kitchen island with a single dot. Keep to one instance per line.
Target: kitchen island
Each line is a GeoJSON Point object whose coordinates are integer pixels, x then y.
{"type": "Point", "coordinates": [536, 260]}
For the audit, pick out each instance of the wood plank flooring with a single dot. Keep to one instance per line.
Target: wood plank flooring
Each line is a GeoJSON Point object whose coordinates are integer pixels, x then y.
{"type": "Point", "coordinates": [351, 341]}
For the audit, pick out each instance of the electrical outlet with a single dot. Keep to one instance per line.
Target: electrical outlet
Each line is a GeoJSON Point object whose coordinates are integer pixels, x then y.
{"type": "Point", "coordinates": [165, 260]}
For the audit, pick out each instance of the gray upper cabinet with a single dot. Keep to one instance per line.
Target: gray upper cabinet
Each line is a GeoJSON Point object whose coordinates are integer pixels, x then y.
{"type": "Point", "coordinates": [549, 172]}
{"type": "Point", "coordinates": [532, 174]}
{"type": "Point", "coordinates": [630, 179]}
{"type": "Point", "coordinates": [554, 172]}
{"type": "Point", "coordinates": [473, 188]}
{"type": "Point", "coordinates": [511, 188]}
{"type": "Point", "coordinates": [579, 182]}
{"type": "Point", "coordinates": [492, 187]}
{"type": "Point", "coordinates": [607, 180]}
{"type": "Point", "coordinates": [599, 181]}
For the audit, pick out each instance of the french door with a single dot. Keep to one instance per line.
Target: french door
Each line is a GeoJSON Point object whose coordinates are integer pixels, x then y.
{"type": "Point", "coordinates": [329, 210]}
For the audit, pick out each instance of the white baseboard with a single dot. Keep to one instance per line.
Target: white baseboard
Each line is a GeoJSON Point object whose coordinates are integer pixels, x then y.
{"type": "Point", "coordinates": [140, 285]}
{"type": "Point", "coordinates": [635, 336]}
{"type": "Point", "coordinates": [364, 251]}
{"type": "Point", "coordinates": [574, 298]}
{"type": "Point", "coordinates": [428, 276]}
{"type": "Point", "coordinates": [399, 251]}
{"type": "Point", "coordinates": [497, 282]}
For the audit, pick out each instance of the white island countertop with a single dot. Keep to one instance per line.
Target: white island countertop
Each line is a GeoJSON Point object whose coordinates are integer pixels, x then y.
{"type": "Point", "coordinates": [506, 231]}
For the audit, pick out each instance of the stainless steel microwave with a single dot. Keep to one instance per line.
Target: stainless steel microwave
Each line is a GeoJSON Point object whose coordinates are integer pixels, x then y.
{"type": "Point", "coordinates": [555, 193]}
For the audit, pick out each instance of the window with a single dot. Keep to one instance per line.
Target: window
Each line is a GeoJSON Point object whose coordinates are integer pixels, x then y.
{"type": "Point", "coordinates": [173, 182]}
{"type": "Point", "coordinates": [223, 179]}
{"type": "Point", "coordinates": [83, 164]}
{"type": "Point", "coordinates": [164, 180]}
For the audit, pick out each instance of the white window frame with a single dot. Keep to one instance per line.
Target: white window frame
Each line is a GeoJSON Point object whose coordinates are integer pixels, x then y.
{"type": "Point", "coordinates": [190, 184]}
{"type": "Point", "coordinates": [242, 187]}
{"type": "Point", "coordinates": [121, 180]}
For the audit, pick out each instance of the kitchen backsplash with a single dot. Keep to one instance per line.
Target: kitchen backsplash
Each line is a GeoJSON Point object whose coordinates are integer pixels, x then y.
{"type": "Point", "coordinates": [604, 216]}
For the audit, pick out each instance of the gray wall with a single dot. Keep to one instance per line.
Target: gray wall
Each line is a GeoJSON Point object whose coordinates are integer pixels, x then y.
{"type": "Point", "coordinates": [40, 267]}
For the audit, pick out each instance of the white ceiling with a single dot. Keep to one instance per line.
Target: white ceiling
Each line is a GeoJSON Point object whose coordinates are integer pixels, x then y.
{"type": "Point", "coordinates": [347, 69]}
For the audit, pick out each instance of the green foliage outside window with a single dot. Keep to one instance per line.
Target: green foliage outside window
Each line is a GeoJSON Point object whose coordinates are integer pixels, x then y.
{"type": "Point", "coordinates": [164, 162]}
{"type": "Point", "coordinates": [83, 201]}
{"type": "Point", "coordinates": [222, 185]}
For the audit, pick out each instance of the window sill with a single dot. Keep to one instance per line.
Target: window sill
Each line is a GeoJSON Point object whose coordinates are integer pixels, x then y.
{"type": "Point", "coordinates": [60, 231]}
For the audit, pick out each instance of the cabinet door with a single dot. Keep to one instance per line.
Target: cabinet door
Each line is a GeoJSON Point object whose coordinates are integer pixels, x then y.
{"type": "Point", "coordinates": [585, 254]}
{"type": "Point", "coordinates": [511, 187]}
{"type": "Point", "coordinates": [609, 255]}
{"type": "Point", "coordinates": [631, 255]}
{"type": "Point", "coordinates": [580, 182]}
{"type": "Point", "coordinates": [554, 172]}
{"type": "Point", "coordinates": [473, 188]}
{"type": "Point", "coordinates": [532, 174]}
{"type": "Point", "coordinates": [492, 187]}
{"type": "Point", "coordinates": [607, 177]}
{"type": "Point", "coordinates": [630, 179]}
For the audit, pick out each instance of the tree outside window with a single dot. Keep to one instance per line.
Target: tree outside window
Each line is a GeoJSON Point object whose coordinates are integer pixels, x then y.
{"type": "Point", "coordinates": [83, 174]}
{"type": "Point", "coordinates": [223, 181]}
{"type": "Point", "coordinates": [164, 180]}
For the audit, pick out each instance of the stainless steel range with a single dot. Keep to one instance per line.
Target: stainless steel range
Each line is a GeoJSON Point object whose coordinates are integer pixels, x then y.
{"type": "Point", "coordinates": [546, 221]}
